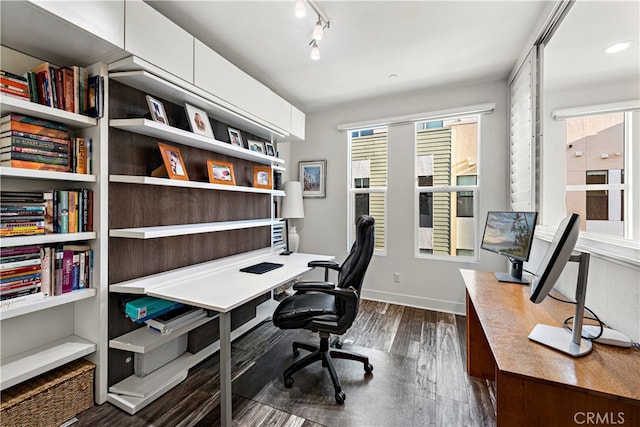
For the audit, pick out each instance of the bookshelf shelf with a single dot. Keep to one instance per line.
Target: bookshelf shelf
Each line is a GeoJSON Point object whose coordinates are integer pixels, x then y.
{"type": "Point", "coordinates": [10, 309]}
{"type": "Point", "coordinates": [186, 229]}
{"type": "Point", "coordinates": [147, 180]}
{"type": "Point", "coordinates": [9, 172]}
{"type": "Point", "coordinates": [169, 133]}
{"type": "Point", "coordinates": [145, 339]}
{"type": "Point", "coordinates": [10, 104]}
{"type": "Point", "coordinates": [42, 239]}
{"type": "Point", "coordinates": [29, 364]}
{"type": "Point", "coordinates": [279, 168]}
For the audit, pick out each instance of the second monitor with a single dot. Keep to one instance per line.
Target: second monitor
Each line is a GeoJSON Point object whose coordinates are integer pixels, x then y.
{"type": "Point", "coordinates": [510, 234]}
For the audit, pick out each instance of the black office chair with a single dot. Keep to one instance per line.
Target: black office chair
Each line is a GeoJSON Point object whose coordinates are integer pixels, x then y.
{"type": "Point", "coordinates": [329, 309]}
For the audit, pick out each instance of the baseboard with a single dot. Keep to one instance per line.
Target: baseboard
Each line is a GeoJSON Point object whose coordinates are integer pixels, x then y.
{"type": "Point", "coordinates": [414, 301]}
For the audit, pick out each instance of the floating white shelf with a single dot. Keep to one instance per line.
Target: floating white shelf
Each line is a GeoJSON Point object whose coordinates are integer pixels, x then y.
{"type": "Point", "coordinates": [147, 180]}
{"type": "Point", "coordinates": [146, 339]}
{"type": "Point", "coordinates": [279, 193]}
{"type": "Point", "coordinates": [186, 229]}
{"type": "Point", "coordinates": [41, 239]}
{"type": "Point", "coordinates": [29, 364]}
{"type": "Point", "coordinates": [173, 134]}
{"type": "Point", "coordinates": [142, 75]}
{"type": "Point", "coordinates": [134, 393]}
{"type": "Point", "coordinates": [278, 168]}
{"type": "Point", "coordinates": [9, 172]}
{"type": "Point", "coordinates": [9, 310]}
{"type": "Point", "coordinates": [10, 104]}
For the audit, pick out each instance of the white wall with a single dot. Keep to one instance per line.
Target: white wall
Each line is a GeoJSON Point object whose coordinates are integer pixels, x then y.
{"type": "Point", "coordinates": [424, 283]}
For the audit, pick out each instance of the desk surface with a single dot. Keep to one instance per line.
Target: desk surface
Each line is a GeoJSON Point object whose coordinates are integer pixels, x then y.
{"type": "Point", "coordinates": [507, 317]}
{"type": "Point", "coordinates": [227, 288]}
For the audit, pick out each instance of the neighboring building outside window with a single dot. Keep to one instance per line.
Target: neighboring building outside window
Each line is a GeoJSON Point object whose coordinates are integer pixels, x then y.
{"type": "Point", "coordinates": [447, 184]}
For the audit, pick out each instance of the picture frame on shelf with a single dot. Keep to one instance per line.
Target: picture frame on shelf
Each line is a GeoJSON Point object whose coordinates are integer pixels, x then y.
{"type": "Point", "coordinates": [199, 121]}
{"type": "Point", "coordinates": [257, 146]}
{"type": "Point", "coordinates": [262, 177]}
{"type": "Point", "coordinates": [270, 149]}
{"type": "Point", "coordinates": [235, 137]}
{"type": "Point", "coordinates": [313, 176]}
{"type": "Point", "coordinates": [173, 167]}
{"type": "Point", "coordinates": [220, 172]}
{"type": "Point", "coordinates": [156, 108]}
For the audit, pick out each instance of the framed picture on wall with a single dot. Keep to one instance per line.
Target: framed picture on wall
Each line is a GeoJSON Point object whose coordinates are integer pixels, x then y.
{"type": "Point", "coordinates": [257, 146]}
{"type": "Point", "coordinates": [235, 137]}
{"type": "Point", "coordinates": [220, 172]}
{"type": "Point", "coordinates": [199, 121]}
{"type": "Point", "coordinates": [312, 175]}
{"type": "Point", "coordinates": [173, 166]}
{"type": "Point", "coordinates": [270, 149]}
{"type": "Point", "coordinates": [156, 108]}
{"type": "Point", "coordinates": [262, 177]}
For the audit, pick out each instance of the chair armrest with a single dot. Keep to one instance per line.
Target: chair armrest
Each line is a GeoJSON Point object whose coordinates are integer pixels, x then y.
{"type": "Point", "coordinates": [313, 286]}
{"type": "Point", "coordinates": [327, 265]}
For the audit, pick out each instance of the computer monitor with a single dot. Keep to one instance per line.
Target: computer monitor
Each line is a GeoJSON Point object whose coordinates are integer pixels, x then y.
{"type": "Point", "coordinates": [510, 234]}
{"type": "Point", "coordinates": [556, 258]}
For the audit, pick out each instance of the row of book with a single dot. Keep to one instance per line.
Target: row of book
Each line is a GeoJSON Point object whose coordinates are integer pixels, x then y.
{"type": "Point", "coordinates": [65, 88]}
{"type": "Point", "coordinates": [45, 212]}
{"type": "Point", "coordinates": [45, 270]}
{"type": "Point", "coordinates": [33, 143]}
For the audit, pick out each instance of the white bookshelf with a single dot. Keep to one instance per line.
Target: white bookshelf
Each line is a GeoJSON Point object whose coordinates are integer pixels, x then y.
{"type": "Point", "coordinates": [147, 180]}
{"type": "Point", "coordinates": [8, 309]}
{"type": "Point", "coordinates": [36, 361]}
{"type": "Point", "coordinates": [187, 229]}
{"type": "Point", "coordinates": [9, 172]}
{"type": "Point", "coordinates": [42, 239]}
{"type": "Point", "coordinates": [10, 104]}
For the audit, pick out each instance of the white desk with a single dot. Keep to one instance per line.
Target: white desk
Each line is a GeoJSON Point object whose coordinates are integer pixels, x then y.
{"type": "Point", "coordinates": [226, 288]}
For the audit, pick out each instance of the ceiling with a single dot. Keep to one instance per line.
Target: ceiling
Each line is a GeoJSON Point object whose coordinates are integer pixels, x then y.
{"type": "Point", "coordinates": [425, 43]}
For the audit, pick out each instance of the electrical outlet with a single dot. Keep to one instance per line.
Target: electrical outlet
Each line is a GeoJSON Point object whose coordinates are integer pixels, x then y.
{"type": "Point", "coordinates": [396, 277]}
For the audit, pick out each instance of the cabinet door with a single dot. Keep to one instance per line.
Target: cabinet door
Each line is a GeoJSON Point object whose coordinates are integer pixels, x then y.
{"type": "Point", "coordinates": [104, 19]}
{"type": "Point", "coordinates": [297, 123]}
{"type": "Point", "coordinates": [221, 78]}
{"type": "Point", "coordinates": [154, 38]}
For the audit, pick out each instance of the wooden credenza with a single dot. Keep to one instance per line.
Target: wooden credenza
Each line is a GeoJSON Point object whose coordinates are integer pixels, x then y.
{"type": "Point", "coordinates": [536, 385]}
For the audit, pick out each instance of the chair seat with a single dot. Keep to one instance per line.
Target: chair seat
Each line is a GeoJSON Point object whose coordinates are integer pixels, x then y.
{"type": "Point", "coordinates": [298, 310]}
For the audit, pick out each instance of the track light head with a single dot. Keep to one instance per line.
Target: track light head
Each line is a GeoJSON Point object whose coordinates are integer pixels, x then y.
{"type": "Point", "coordinates": [318, 30]}
{"type": "Point", "coordinates": [300, 9]}
{"type": "Point", "coordinates": [315, 51]}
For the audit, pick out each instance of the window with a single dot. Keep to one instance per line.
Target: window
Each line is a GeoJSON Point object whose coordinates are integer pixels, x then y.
{"type": "Point", "coordinates": [446, 190]}
{"type": "Point", "coordinates": [368, 181]}
{"type": "Point", "coordinates": [595, 162]}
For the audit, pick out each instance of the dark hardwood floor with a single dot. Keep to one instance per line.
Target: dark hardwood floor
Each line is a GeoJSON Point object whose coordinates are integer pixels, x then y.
{"type": "Point", "coordinates": [446, 395]}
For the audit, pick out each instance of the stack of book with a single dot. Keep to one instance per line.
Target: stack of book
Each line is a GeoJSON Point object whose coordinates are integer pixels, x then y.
{"type": "Point", "coordinates": [68, 268]}
{"type": "Point", "coordinates": [21, 213]}
{"type": "Point", "coordinates": [20, 272]}
{"type": "Point", "coordinates": [64, 88]}
{"type": "Point", "coordinates": [69, 211]}
{"type": "Point", "coordinates": [33, 143]}
{"type": "Point", "coordinates": [14, 85]}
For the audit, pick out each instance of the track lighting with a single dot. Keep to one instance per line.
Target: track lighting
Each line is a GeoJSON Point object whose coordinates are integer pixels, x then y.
{"type": "Point", "coordinates": [318, 30]}
{"type": "Point", "coordinates": [315, 51]}
{"type": "Point", "coordinates": [300, 9]}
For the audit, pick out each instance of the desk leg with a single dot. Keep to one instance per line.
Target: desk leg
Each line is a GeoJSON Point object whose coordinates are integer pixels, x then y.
{"type": "Point", "coordinates": [225, 369]}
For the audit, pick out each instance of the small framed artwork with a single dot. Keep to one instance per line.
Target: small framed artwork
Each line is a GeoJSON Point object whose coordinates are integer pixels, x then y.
{"type": "Point", "coordinates": [235, 137]}
{"type": "Point", "coordinates": [313, 177]}
{"type": "Point", "coordinates": [173, 164]}
{"type": "Point", "coordinates": [270, 149]}
{"type": "Point", "coordinates": [220, 172]}
{"type": "Point", "coordinates": [262, 177]}
{"type": "Point", "coordinates": [199, 121]}
{"type": "Point", "coordinates": [156, 108]}
{"type": "Point", "coordinates": [257, 146]}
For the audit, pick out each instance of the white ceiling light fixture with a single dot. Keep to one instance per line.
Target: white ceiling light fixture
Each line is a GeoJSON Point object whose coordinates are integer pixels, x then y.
{"type": "Point", "coordinates": [300, 9]}
{"type": "Point", "coordinates": [618, 47]}
{"type": "Point", "coordinates": [318, 30]}
{"type": "Point", "coordinates": [315, 51]}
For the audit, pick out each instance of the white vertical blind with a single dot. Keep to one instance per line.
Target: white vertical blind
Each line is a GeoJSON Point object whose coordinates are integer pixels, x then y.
{"type": "Point", "coordinates": [522, 138]}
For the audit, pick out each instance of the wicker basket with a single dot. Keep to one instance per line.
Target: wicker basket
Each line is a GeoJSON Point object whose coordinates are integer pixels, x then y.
{"type": "Point", "coordinates": [51, 398]}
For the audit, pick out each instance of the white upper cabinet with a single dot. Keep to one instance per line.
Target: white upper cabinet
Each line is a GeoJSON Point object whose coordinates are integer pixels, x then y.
{"type": "Point", "coordinates": [104, 19]}
{"type": "Point", "coordinates": [154, 38]}
{"type": "Point", "coordinates": [220, 77]}
{"type": "Point", "coordinates": [297, 123]}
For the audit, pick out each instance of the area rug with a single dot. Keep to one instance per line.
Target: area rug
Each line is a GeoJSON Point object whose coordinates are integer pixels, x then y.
{"type": "Point", "coordinates": [384, 399]}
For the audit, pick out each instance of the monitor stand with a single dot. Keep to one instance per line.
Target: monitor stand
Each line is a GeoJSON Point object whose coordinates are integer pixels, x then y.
{"type": "Point", "coordinates": [559, 338]}
{"type": "Point", "coordinates": [514, 275]}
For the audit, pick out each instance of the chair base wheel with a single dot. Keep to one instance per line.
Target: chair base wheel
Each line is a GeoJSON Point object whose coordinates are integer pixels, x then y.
{"type": "Point", "coordinates": [296, 352]}
{"type": "Point", "coordinates": [288, 382]}
{"type": "Point", "coordinates": [368, 368]}
{"type": "Point", "coordinates": [340, 397]}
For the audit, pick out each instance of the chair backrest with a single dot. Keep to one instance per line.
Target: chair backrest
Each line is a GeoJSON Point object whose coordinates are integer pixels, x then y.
{"type": "Point", "coordinates": [355, 265]}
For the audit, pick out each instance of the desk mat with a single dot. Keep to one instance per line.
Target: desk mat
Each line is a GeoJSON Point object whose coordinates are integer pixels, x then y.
{"type": "Point", "coordinates": [384, 399]}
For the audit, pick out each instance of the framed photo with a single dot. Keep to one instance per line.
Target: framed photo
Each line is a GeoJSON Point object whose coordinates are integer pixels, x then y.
{"type": "Point", "coordinates": [262, 177]}
{"type": "Point", "coordinates": [270, 149]}
{"type": "Point", "coordinates": [199, 121]}
{"type": "Point", "coordinates": [257, 146]}
{"type": "Point", "coordinates": [313, 177]}
{"type": "Point", "coordinates": [156, 108]}
{"type": "Point", "coordinates": [173, 163]}
{"type": "Point", "coordinates": [235, 137]}
{"type": "Point", "coordinates": [220, 172]}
